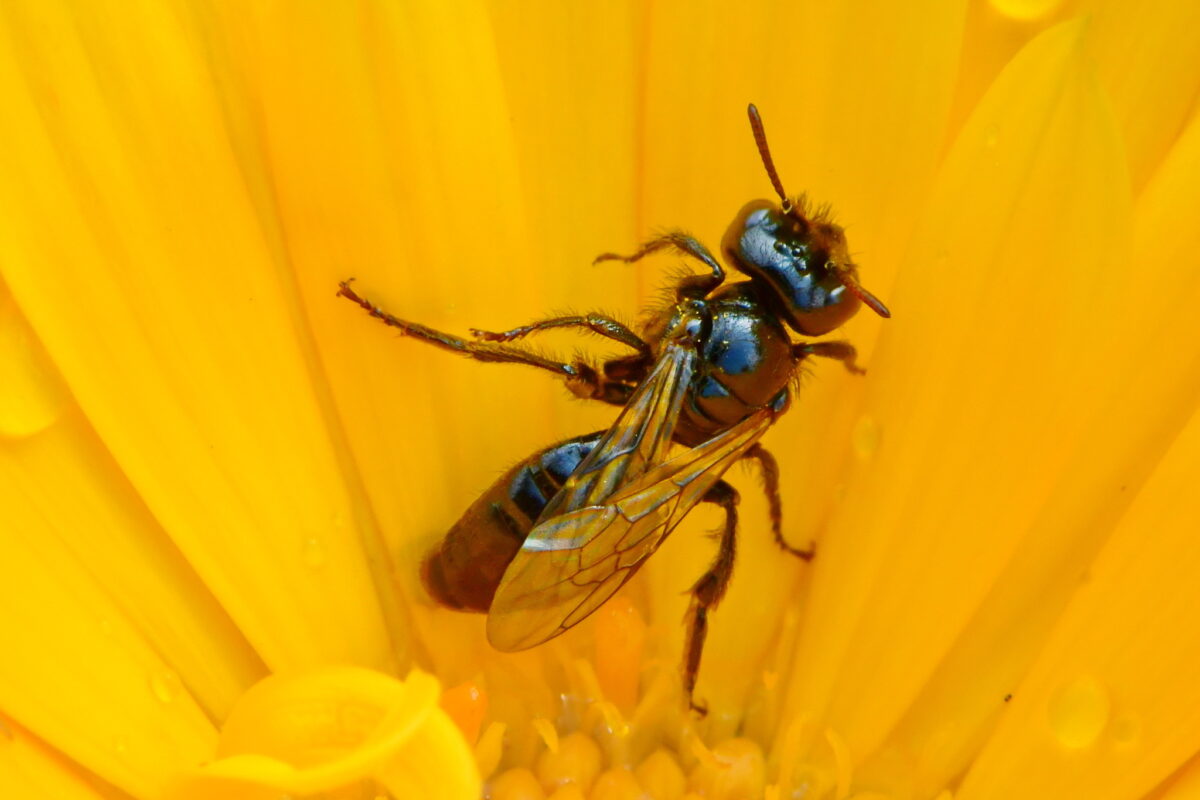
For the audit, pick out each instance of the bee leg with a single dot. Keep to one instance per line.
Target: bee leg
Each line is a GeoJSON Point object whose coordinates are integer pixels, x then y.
{"type": "Point", "coordinates": [630, 369]}
{"type": "Point", "coordinates": [837, 350]}
{"type": "Point", "coordinates": [596, 323]}
{"type": "Point", "coordinates": [769, 469]}
{"type": "Point", "coordinates": [697, 286]}
{"type": "Point", "coordinates": [587, 384]}
{"type": "Point", "coordinates": [581, 378]}
{"type": "Point", "coordinates": [709, 589]}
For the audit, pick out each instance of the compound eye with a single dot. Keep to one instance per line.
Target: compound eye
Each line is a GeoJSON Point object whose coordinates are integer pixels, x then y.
{"type": "Point", "coordinates": [752, 242]}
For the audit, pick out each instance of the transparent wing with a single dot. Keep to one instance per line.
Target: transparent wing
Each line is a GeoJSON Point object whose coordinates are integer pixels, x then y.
{"type": "Point", "coordinates": [640, 437]}
{"type": "Point", "coordinates": [572, 562]}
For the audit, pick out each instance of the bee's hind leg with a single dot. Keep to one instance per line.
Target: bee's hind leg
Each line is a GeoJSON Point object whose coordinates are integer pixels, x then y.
{"type": "Point", "coordinates": [709, 589]}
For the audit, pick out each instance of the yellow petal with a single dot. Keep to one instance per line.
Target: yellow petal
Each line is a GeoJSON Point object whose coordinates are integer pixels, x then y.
{"type": "Point", "coordinates": [1155, 396]}
{"type": "Point", "coordinates": [404, 179]}
{"type": "Point", "coordinates": [575, 129]}
{"type": "Point", "coordinates": [1149, 63]}
{"type": "Point", "coordinates": [30, 769]}
{"type": "Point", "coordinates": [1110, 708]}
{"type": "Point", "coordinates": [32, 394]}
{"type": "Point", "coordinates": [333, 729]}
{"type": "Point", "coordinates": [995, 32]}
{"type": "Point", "coordinates": [79, 674]}
{"type": "Point", "coordinates": [132, 248]}
{"type": "Point", "coordinates": [1184, 786]}
{"type": "Point", "coordinates": [108, 531]}
{"type": "Point", "coordinates": [970, 401]}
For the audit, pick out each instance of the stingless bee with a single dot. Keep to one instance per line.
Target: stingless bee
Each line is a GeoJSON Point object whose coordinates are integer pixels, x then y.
{"type": "Point", "coordinates": [561, 532]}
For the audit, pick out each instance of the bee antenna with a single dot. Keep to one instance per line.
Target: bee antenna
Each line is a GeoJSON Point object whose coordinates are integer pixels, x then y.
{"type": "Point", "coordinates": [760, 139]}
{"type": "Point", "coordinates": [871, 301]}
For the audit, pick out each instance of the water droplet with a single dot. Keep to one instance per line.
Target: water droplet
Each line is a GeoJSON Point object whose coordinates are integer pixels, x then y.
{"type": "Point", "coordinates": [314, 553]}
{"type": "Point", "coordinates": [165, 685]}
{"type": "Point", "coordinates": [120, 745]}
{"type": "Point", "coordinates": [991, 137]}
{"type": "Point", "coordinates": [32, 394]}
{"type": "Point", "coordinates": [1126, 731]}
{"type": "Point", "coordinates": [866, 437]}
{"type": "Point", "coordinates": [1078, 712]}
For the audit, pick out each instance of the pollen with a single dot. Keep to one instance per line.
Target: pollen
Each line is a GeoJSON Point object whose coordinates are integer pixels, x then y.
{"type": "Point", "coordinates": [617, 725]}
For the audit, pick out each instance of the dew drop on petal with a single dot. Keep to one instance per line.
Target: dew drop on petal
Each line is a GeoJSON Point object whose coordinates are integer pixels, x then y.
{"type": "Point", "coordinates": [165, 685]}
{"type": "Point", "coordinates": [1126, 731]}
{"type": "Point", "coordinates": [314, 553]}
{"type": "Point", "coordinates": [866, 437]}
{"type": "Point", "coordinates": [1078, 712]}
{"type": "Point", "coordinates": [1026, 10]}
{"type": "Point", "coordinates": [991, 137]}
{"type": "Point", "coordinates": [32, 394]}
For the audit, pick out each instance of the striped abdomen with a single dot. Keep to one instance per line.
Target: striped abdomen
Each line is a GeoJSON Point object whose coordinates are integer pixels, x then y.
{"type": "Point", "coordinates": [465, 569]}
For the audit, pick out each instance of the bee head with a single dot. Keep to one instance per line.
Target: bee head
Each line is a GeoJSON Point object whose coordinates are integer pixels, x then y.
{"type": "Point", "coordinates": [800, 258]}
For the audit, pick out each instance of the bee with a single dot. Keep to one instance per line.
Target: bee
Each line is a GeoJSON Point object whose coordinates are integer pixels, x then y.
{"type": "Point", "coordinates": [562, 531]}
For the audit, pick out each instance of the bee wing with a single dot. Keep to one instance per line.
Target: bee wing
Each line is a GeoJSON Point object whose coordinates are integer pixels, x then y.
{"type": "Point", "coordinates": [640, 438]}
{"type": "Point", "coordinates": [573, 562]}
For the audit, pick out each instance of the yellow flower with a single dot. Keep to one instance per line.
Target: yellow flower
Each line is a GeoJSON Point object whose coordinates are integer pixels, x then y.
{"type": "Point", "coordinates": [215, 471]}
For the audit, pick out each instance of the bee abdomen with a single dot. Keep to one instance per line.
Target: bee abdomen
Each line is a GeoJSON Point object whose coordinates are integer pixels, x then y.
{"type": "Point", "coordinates": [464, 570]}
